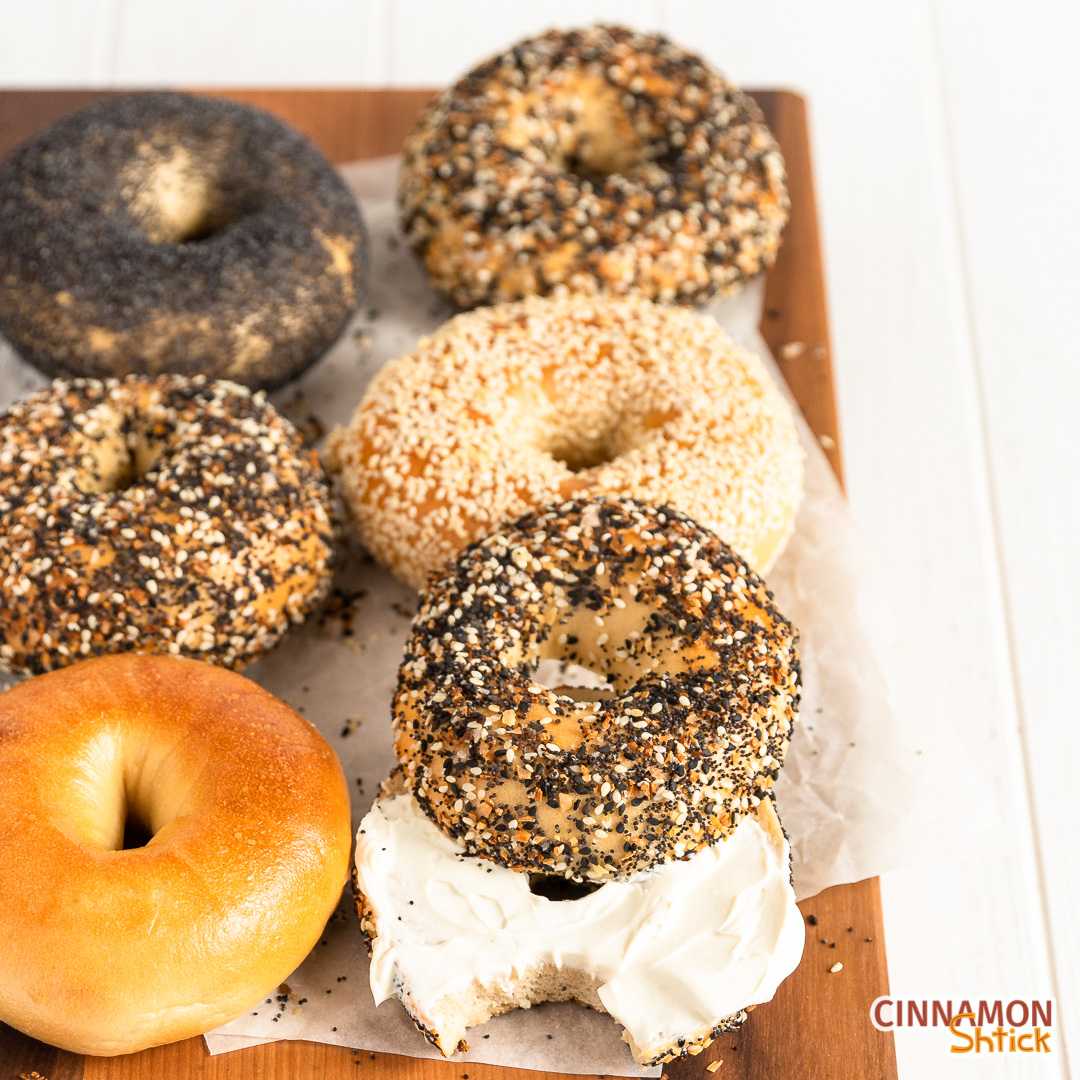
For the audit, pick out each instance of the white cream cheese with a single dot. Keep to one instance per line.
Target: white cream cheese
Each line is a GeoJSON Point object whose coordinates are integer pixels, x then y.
{"type": "Point", "coordinates": [672, 951]}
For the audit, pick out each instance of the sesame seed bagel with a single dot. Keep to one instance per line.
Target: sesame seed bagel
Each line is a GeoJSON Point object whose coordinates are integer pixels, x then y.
{"type": "Point", "coordinates": [169, 515]}
{"type": "Point", "coordinates": [600, 160]}
{"type": "Point", "coordinates": [109, 945]}
{"type": "Point", "coordinates": [161, 232]}
{"type": "Point", "coordinates": [507, 408]}
{"type": "Point", "coordinates": [703, 678]}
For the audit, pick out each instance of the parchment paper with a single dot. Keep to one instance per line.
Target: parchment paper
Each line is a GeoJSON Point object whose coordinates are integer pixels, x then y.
{"type": "Point", "coordinates": [849, 794]}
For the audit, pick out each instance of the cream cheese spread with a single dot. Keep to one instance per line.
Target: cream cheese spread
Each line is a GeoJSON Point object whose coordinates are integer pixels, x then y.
{"type": "Point", "coordinates": [672, 951]}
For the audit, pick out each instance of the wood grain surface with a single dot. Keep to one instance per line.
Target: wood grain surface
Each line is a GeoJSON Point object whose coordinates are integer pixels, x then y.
{"type": "Point", "coordinates": [818, 1024]}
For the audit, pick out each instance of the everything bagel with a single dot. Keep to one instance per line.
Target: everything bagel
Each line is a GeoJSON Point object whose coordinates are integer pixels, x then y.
{"type": "Point", "coordinates": [703, 690]}
{"type": "Point", "coordinates": [172, 515]}
{"type": "Point", "coordinates": [599, 161]}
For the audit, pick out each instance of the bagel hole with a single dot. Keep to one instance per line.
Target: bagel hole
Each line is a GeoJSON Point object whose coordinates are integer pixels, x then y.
{"type": "Point", "coordinates": [587, 167]}
{"type": "Point", "coordinates": [178, 201]}
{"type": "Point", "coordinates": [577, 450]}
{"type": "Point", "coordinates": [573, 680]}
{"type": "Point", "coordinates": [202, 230]}
{"type": "Point", "coordinates": [585, 458]}
{"type": "Point", "coordinates": [601, 139]}
{"type": "Point", "coordinates": [116, 465]}
{"type": "Point", "coordinates": [553, 887]}
{"type": "Point", "coordinates": [202, 223]}
{"type": "Point", "coordinates": [137, 833]}
{"type": "Point", "coordinates": [124, 477]}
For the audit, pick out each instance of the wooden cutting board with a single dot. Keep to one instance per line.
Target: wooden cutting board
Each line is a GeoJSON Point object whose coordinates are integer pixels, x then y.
{"type": "Point", "coordinates": [818, 1025]}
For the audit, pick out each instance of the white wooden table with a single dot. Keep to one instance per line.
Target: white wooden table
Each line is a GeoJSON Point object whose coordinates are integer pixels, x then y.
{"type": "Point", "coordinates": [947, 155]}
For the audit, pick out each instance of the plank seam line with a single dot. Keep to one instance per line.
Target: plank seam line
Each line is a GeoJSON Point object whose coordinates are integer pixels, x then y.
{"type": "Point", "coordinates": [996, 532]}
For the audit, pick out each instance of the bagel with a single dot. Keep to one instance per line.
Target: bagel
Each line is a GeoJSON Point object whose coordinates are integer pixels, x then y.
{"type": "Point", "coordinates": [701, 689]}
{"type": "Point", "coordinates": [600, 161]}
{"type": "Point", "coordinates": [107, 949]}
{"type": "Point", "coordinates": [508, 408]}
{"type": "Point", "coordinates": [160, 232]}
{"type": "Point", "coordinates": [169, 515]}
{"type": "Point", "coordinates": [676, 956]}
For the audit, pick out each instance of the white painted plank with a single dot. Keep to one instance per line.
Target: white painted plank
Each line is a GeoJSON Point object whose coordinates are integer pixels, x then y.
{"type": "Point", "coordinates": [333, 42]}
{"type": "Point", "coordinates": [243, 43]}
{"type": "Point", "coordinates": [1010, 82]}
{"type": "Point", "coordinates": [434, 44]}
{"type": "Point", "coordinates": [55, 42]}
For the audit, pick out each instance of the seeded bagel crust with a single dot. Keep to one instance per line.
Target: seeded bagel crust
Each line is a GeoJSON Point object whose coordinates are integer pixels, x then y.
{"type": "Point", "coordinates": [518, 406]}
{"type": "Point", "coordinates": [600, 160]}
{"type": "Point", "coordinates": [170, 515]}
{"type": "Point", "coordinates": [704, 690]}
{"type": "Point", "coordinates": [161, 232]}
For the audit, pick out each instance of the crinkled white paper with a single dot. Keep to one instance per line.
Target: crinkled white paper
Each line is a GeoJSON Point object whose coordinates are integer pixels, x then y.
{"type": "Point", "coordinates": [847, 795]}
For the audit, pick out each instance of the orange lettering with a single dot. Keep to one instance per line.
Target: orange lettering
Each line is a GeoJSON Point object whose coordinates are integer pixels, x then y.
{"type": "Point", "coordinates": [954, 1049]}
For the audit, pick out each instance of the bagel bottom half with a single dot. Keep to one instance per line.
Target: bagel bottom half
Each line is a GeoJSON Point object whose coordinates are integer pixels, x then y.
{"type": "Point", "coordinates": [676, 955]}
{"type": "Point", "coordinates": [107, 949]}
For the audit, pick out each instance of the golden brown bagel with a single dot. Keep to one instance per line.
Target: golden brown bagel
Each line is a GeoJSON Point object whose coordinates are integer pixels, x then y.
{"type": "Point", "coordinates": [108, 951]}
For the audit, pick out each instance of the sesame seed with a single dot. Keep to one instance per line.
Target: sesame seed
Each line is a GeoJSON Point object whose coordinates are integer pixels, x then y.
{"type": "Point", "coordinates": [469, 376]}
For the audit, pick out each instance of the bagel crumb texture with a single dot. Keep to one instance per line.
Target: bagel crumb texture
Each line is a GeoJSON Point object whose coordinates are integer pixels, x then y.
{"type": "Point", "coordinates": [595, 160]}
{"type": "Point", "coordinates": [170, 515]}
{"type": "Point", "coordinates": [518, 406]}
{"type": "Point", "coordinates": [704, 688]}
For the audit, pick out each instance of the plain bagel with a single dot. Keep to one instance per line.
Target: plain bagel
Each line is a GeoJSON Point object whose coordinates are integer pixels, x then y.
{"type": "Point", "coordinates": [108, 951]}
